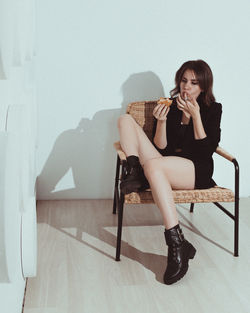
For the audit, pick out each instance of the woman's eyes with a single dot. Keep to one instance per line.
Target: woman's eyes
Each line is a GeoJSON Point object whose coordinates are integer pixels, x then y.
{"type": "Point", "coordinates": [193, 83]}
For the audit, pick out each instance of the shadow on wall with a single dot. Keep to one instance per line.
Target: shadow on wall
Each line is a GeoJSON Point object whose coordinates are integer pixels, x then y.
{"type": "Point", "coordinates": [88, 150]}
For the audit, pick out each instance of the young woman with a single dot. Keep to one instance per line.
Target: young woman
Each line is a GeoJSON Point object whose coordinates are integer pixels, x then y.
{"type": "Point", "coordinates": [185, 136]}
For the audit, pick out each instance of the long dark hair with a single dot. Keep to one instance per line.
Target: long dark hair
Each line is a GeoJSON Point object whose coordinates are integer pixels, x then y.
{"type": "Point", "coordinates": [204, 76]}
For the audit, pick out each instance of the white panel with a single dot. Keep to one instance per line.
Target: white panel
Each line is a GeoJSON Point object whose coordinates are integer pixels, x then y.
{"type": "Point", "coordinates": [23, 31]}
{"type": "Point", "coordinates": [29, 239]}
{"type": "Point", "coordinates": [11, 296]}
{"type": "Point", "coordinates": [4, 276]}
{"type": "Point", "coordinates": [10, 214]}
{"type": "Point", "coordinates": [2, 69]}
{"type": "Point", "coordinates": [6, 39]}
{"type": "Point", "coordinates": [4, 102]}
{"type": "Point", "coordinates": [19, 122]}
{"type": "Point", "coordinates": [18, 135]}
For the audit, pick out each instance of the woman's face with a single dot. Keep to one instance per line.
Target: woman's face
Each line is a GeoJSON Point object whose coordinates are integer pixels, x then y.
{"type": "Point", "coordinates": [189, 85]}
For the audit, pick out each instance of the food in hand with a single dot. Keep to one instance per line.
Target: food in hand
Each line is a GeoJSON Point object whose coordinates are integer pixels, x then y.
{"type": "Point", "coordinates": [166, 101]}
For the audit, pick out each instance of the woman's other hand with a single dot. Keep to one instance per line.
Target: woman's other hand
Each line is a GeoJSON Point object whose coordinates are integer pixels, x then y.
{"type": "Point", "coordinates": [189, 106]}
{"type": "Point", "coordinates": [181, 105]}
{"type": "Point", "coordinates": [192, 107]}
{"type": "Point", "coordinates": [160, 112]}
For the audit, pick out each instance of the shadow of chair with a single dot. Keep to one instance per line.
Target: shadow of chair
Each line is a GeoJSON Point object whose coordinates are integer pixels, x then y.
{"type": "Point", "coordinates": [142, 113]}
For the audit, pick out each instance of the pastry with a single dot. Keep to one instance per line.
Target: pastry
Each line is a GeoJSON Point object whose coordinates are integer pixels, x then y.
{"type": "Point", "coordinates": [166, 101]}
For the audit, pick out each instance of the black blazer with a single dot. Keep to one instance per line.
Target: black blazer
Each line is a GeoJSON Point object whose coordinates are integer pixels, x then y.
{"type": "Point", "coordinates": [180, 138]}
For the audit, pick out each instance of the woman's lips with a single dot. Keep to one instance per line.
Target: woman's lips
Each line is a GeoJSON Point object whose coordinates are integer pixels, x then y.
{"type": "Point", "coordinates": [186, 96]}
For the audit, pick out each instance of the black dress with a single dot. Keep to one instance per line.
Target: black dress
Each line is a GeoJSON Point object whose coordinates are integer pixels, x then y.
{"type": "Point", "coordinates": [181, 141]}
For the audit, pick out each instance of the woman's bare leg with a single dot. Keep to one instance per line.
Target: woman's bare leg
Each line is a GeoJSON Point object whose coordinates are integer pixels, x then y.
{"type": "Point", "coordinates": [134, 141]}
{"type": "Point", "coordinates": [165, 174]}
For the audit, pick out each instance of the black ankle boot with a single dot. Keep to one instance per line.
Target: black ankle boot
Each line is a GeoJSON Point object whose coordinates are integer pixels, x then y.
{"type": "Point", "coordinates": [134, 179]}
{"type": "Point", "coordinates": [179, 253]}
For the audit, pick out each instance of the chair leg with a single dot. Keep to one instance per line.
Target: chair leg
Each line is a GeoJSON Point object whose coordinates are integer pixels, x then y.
{"type": "Point", "coordinates": [191, 207]}
{"type": "Point", "coordinates": [236, 227]}
{"type": "Point", "coordinates": [116, 195]}
{"type": "Point", "coordinates": [236, 208]}
{"type": "Point", "coordinates": [119, 229]}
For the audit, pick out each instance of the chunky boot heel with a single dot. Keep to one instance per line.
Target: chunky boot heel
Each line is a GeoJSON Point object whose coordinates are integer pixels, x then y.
{"type": "Point", "coordinates": [179, 253]}
{"type": "Point", "coordinates": [192, 252]}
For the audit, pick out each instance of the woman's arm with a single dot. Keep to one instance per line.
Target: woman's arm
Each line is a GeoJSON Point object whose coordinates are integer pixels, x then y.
{"type": "Point", "coordinates": [199, 132]}
{"type": "Point", "coordinates": [208, 144]}
{"type": "Point", "coordinates": [160, 112]}
{"type": "Point", "coordinates": [160, 138]}
{"type": "Point", "coordinates": [206, 140]}
{"type": "Point", "coordinates": [205, 146]}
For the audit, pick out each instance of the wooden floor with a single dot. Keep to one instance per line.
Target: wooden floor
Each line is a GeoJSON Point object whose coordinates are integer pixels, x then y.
{"type": "Point", "coordinates": [77, 272]}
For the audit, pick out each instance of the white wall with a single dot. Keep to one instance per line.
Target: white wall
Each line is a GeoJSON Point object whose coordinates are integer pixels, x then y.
{"type": "Point", "coordinates": [96, 56]}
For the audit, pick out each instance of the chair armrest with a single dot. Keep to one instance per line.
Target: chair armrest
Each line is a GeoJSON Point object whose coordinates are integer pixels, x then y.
{"type": "Point", "coordinates": [225, 154]}
{"type": "Point", "coordinates": [119, 151]}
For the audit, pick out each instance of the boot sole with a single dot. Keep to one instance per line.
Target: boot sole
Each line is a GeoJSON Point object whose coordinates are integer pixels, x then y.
{"type": "Point", "coordinates": [127, 188]}
{"type": "Point", "coordinates": [182, 273]}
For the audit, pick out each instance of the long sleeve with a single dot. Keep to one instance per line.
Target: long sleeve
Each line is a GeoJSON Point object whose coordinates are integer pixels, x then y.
{"type": "Point", "coordinates": [204, 148]}
{"type": "Point", "coordinates": [162, 151]}
{"type": "Point", "coordinates": [173, 133]}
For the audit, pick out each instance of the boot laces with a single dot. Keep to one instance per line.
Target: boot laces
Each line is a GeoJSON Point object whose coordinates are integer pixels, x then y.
{"type": "Point", "coordinates": [172, 253]}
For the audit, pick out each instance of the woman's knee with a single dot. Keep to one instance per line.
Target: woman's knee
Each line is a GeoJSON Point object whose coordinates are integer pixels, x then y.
{"type": "Point", "coordinates": [153, 167]}
{"type": "Point", "coordinates": [124, 119]}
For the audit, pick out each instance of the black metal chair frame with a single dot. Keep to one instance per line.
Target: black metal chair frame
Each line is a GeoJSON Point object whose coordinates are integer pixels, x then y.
{"type": "Point", "coordinates": [118, 203]}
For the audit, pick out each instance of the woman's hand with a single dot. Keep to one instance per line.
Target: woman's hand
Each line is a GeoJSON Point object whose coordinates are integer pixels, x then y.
{"type": "Point", "coordinates": [160, 112]}
{"type": "Point", "coordinates": [181, 105]}
{"type": "Point", "coordinates": [189, 106]}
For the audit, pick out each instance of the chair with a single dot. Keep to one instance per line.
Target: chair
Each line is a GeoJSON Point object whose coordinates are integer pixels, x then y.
{"type": "Point", "coordinates": [142, 113]}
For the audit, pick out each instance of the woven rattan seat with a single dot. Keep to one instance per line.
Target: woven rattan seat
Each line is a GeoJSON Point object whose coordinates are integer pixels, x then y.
{"type": "Point", "coordinates": [216, 194]}
{"type": "Point", "coordinates": [142, 112]}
